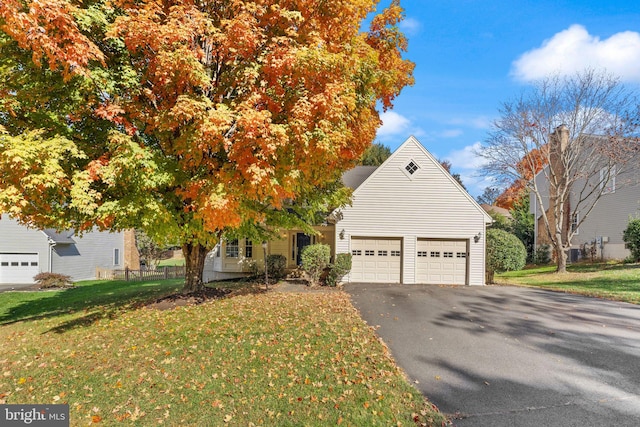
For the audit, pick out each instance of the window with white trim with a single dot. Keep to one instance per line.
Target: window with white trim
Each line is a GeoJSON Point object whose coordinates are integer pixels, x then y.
{"type": "Point", "coordinates": [575, 219]}
{"type": "Point", "coordinates": [116, 256]}
{"type": "Point", "coordinates": [233, 249]}
{"type": "Point", "coordinates": [608, 180]}
{"type": "Point", "coordinates": [248, 248]}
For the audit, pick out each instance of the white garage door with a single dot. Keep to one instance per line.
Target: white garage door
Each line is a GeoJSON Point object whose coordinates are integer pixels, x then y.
{"type": "Point", "coordinates": [441, 262]}
{"type": "Point", "coordinates": [376, 260]}
{"type": "Point", "coordinates": [18, 268]}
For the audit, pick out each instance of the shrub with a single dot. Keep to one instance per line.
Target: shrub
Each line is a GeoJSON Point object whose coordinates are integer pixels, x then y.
{"type": "Point", "coordinates": [315, 258]}
{"type": "Point", "coordinates": [631, 237]}
{"type": "Point", "coordinates": [253, 267]}
{"type": "Point", "coordinates": [341, 267]}
{"type": "Point", "coordinates": [542, 255]}
{"type": "Point", "coordinates": [52, 280]}
{"type": "Point", "coordinates": [505, 252]}
{"type": "Point", "coordinates": [276, 266]}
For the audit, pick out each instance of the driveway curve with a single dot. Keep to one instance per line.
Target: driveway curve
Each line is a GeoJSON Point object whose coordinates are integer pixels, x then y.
{"type": "Point", "coordinates": [508, 356]}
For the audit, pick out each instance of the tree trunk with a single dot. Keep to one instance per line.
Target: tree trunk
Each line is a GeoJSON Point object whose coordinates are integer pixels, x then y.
{"type": "Point", "coordinates": [194, 256]}
{"type": "Point", "coordinates": [562, 260]}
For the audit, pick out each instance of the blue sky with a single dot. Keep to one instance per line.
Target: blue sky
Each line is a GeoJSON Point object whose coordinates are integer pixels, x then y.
{"type": "Point", "coordinates": [472, 55]}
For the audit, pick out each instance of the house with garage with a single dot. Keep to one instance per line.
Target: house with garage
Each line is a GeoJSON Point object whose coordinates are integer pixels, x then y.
{"type": "Point", "coordinates": [409, 222]}
{"type": "Point", "coordinates": [26, 252]}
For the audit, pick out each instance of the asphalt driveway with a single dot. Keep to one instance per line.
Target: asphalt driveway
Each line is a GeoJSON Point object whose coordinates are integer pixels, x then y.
{"type": "Point", "coordinates": [507, 356]}
{"type": "Point", "coordinates": [14, 287]}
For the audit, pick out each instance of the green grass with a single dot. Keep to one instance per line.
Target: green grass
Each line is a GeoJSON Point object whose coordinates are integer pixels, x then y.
{"type": "Point", "coordinates": [171, 262]}
{"type": "Point", "coordinates": [620, 282]}
{"type": "Point", "coordinates": [92, 299]}
{"type": "Point", "coordinates": [271, 359]}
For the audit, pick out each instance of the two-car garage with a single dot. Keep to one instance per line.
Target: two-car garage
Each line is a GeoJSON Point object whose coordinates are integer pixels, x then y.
{"type": "Point", "coordinates": [411, 222]}
{"type": "Point", "coordinates": [437, 261]}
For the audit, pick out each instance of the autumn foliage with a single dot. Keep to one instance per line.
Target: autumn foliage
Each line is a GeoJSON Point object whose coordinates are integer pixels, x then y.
{"type": "Point", "coordinates": [189, 118]}
{"type": "Point", "coordinates": [528, 167]}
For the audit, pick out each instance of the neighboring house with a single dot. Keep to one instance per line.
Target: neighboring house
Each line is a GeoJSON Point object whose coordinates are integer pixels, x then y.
{"type": "Point", "coordinates": [601, 230]}
{"type": "Point", "coordinates": [496, 210]}
{"type": "Point", "coordinates": [409, 222]}
{"type": "Point", "coordinates": [25, 252]}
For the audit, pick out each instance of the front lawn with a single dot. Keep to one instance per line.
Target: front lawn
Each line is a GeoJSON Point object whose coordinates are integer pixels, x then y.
{"type": "Point", "coordinates": [255, 359]}
{"type": "Point", "coordinates": [620, 282]}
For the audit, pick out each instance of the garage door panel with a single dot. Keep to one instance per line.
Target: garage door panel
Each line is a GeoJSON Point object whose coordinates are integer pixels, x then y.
{"type": "Point", "coordinates": [18, 268]}
{"type": "Point", "coordinates": [441, 262]}
{"type": "Point", "coordinates": [376, 260]}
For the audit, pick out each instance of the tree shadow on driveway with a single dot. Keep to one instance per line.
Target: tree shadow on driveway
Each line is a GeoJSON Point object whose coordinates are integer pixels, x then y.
{"type": "Point", "coordinates": [512, 356]}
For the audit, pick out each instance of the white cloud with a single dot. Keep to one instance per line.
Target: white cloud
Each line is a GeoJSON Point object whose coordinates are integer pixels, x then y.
{"type": "Point", "coordinates": [410, 26]}
{"type": "Point", "coordinates": [466, 157]}
{"type": "Point", "coordinates": [574, 50]}
{"type": "Point", "coordinates": [467, 163]}
{"type": "Point", "coordinates": [393, 124]}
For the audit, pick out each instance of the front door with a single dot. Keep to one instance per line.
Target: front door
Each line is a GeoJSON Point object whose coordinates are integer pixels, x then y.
{"type": "Point", "coordinates": [302, 241]}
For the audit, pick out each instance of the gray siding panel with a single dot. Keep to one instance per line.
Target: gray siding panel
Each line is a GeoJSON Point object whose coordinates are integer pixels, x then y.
{"type": "Point", "coordinates": [79, 260]}
{"type": "Point", "coordinates": [18, 238]}
{"type": "Point", "coordinates": [608, 218]}
{"type": "Point", "coordinates": [94, 249]}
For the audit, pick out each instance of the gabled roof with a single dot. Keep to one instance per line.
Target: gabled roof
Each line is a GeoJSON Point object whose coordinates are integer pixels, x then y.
{"type": "Point", "coordinates": [413, 141]}
{"type": "Point", "coordinates": [496, 210]}
{"type": "Point", "coordinates": [62, 238]}
{"type": "Point", "coordinates": [356, 176]}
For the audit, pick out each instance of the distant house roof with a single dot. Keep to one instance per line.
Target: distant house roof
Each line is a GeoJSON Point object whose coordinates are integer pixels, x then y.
{"type": "Point", "coordinates": [63, 238]}
{"type": "Point", "coordinates": [490, 209]}
{"type": "Point", "coordinates": [356, 176]}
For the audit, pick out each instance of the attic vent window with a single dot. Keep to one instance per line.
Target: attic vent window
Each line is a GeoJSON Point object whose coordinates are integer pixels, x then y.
{"type": "Point", "coordinates": [411, 168]}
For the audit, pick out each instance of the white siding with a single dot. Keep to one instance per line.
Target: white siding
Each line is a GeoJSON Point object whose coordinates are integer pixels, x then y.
{"type": "Point", "coordinates": [409, 260]}
{"type": "Point", "coordinates": [428, 205]}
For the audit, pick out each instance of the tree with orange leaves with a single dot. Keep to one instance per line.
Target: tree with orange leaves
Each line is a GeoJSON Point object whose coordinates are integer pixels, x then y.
{"type": "Point", "coordinates": [527, 168]}
{"type": "Point", "coordinates": [188, 119]}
